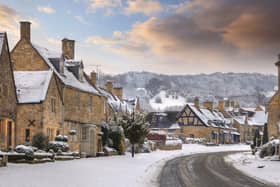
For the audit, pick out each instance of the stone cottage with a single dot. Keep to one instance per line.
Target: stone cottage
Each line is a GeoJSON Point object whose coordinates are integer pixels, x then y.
{"type": "Point", "coordinates": [8, 99]}
{"type": "Point", "coordinates": [273, 123]}
{"type": "Point", "coordinates": [82, 104]}
{"type": "Point", "coordinates": [39, 107]}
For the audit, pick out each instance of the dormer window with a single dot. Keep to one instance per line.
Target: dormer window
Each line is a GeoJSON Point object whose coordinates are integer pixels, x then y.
{"type": "Point", "coordinates": [81, 73]}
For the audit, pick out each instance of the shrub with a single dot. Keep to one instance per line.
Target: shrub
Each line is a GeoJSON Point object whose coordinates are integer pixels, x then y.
{"type": "Point", "coordinates": [40, 141]}
{"type": "Point", "coordinates": [117, 139]}
{"type": "Point", "coordinates": [58, 145]}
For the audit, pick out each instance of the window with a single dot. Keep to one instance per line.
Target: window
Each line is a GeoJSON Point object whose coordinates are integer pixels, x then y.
{"type": "Point", "coordinates": [53, 105]}
{"type": "Point", "coordinates": [27, 135]}
{"type": "Point", "coordinates": [84, 133]}
{"type": "Point", "coordinates": [90, 104]}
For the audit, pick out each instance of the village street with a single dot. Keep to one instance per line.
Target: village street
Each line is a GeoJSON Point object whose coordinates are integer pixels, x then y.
{"type": "Point", "coordinates": [142, 170]}
{"type": "Point", "coordinates": [205, 170]}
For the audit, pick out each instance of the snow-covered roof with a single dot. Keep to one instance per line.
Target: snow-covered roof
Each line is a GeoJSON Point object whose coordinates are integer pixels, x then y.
{"type": "Point", "coordinates": [258, 119]}
{"type": "Point", "coordinates": [240, 119]}
{"type": "Point", "coordinates": [210, 118]}
{"type": "Point", "coordinates": [67, 78]}
{"type": "Point", "coordinates": [118, 104]}
{"type": "Point", "coordinates": [174, 126]}
{"type": "Point", "coordinates": [32, 86]}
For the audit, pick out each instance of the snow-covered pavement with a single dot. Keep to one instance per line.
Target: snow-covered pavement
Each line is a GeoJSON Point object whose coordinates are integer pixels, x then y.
{"type": "Point", "coordinates": [266, 169]}
{"type": "Point", "coordinates": [142, 170]}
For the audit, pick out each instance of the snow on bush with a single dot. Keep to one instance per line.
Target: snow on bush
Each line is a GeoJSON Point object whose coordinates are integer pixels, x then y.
{"type": "Point", "coordinates": [58, 145]}
{"type": "Point", "coordinates": [24, 149]}
{"type": "Point", "coordinates": [195, 140]}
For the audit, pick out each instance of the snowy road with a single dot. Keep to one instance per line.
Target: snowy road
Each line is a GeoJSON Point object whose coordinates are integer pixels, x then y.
{"type": "Point", "coordinates": [121, 171]}
{"type": "Point", "coordinates": [204, 170]}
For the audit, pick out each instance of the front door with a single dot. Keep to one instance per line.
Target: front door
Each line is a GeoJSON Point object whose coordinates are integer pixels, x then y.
{"type": "Point", "coordinates": [92, 142]}
{"type": "Point", "coordinates": [9, 134]}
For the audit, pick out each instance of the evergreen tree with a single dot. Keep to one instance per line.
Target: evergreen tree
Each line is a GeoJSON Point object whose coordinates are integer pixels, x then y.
{"type": "Point", "coordinates": [265, 134]}
{"type": "Point", "coordinates": [135, 129]}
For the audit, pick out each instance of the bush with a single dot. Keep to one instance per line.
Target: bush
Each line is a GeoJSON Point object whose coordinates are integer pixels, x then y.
{"type": "Point", "coordinates": [58, 145]}
{"type": "Point", "coordinates": [40, 141]}
{"type": "Point", "coordinates": [118, 142]}
{"type": "Point", "coordinates": [61, 138]}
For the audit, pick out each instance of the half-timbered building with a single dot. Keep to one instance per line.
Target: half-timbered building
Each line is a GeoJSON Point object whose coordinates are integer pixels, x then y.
{"type": "Point", "coordinates": [205, 122]}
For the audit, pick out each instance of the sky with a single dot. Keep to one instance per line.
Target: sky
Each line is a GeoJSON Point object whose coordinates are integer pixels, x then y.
{"type": "Point", "coordinates": [163, 36]}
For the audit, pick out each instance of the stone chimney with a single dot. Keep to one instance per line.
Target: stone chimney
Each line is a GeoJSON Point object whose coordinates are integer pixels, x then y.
{"type": "Point", "coordinates": [109, 86]}
{"type": "Point", "coordinates": [278, 65]}
{"type": "Point", "coordinates": [208, 105]}
{"type": "Point", "coordinates": [196, 102]}
{"type": "Point", "coordinates": [93, 78]}
{"type": "Point", "coordinates": [25, 30]}
{"type": "Point", "coordinates": [68, 48]}
{"type": "Point", "coordinates": [118, 91]}
{"type": "Point", "coordinates": [221, 106]}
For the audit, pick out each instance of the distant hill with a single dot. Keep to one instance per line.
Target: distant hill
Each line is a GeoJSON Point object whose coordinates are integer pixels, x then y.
{"type": "Point", "coordinates": [158, 91]}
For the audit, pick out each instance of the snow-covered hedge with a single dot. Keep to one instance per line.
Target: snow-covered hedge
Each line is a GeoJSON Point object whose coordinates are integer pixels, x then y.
{"type": "Point", "coordinates": [195, 140]}
{"type": "Point", "coordinates": [173, 142]}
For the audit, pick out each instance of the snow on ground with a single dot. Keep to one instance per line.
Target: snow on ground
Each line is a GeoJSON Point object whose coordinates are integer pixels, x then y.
{"type": "Point", "coordinates": [121, 171]}
{"type": "Point", "coordinates": [248, 164]}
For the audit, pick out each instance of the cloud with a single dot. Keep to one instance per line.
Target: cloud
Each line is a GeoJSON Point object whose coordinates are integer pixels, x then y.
{"type": "Point", "coordinates": [9, 22]}
{"type": "Point", "coordinates": [9, 19]}
{"type": "Point", "coordinates": [147, 7]}
{"type": "Point", "coordinates": [221, 35]}
{"type": "Point", "coordinates": [81, 19]}
{"type": "Point", "coordinates": [54, 41]}
{"type": "Point", "coordinates": [101, 4]}
{"type": "Point", "coordinates": [46, 9]}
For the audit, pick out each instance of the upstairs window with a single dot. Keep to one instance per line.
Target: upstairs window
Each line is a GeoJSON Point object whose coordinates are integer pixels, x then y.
{"type": "Point", "coordinates": [90, 104]}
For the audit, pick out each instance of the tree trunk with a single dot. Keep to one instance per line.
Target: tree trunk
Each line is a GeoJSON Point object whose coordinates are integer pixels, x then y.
{"type": "Point", "coordinates": [132, 150]}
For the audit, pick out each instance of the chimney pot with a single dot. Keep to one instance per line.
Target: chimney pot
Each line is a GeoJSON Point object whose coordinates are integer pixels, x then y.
{"type": "Point", "coordinates": [25, 30]}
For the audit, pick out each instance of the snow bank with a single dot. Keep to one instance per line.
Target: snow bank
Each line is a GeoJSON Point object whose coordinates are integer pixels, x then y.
{"type": "Point", "coordinates": [265, 170]}
{"type": "Point", "coordinates": [121, 171]}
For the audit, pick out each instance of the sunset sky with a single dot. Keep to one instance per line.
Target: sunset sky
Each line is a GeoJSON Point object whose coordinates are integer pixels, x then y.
{"type": "Point", "coordinates": [167, 36]}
